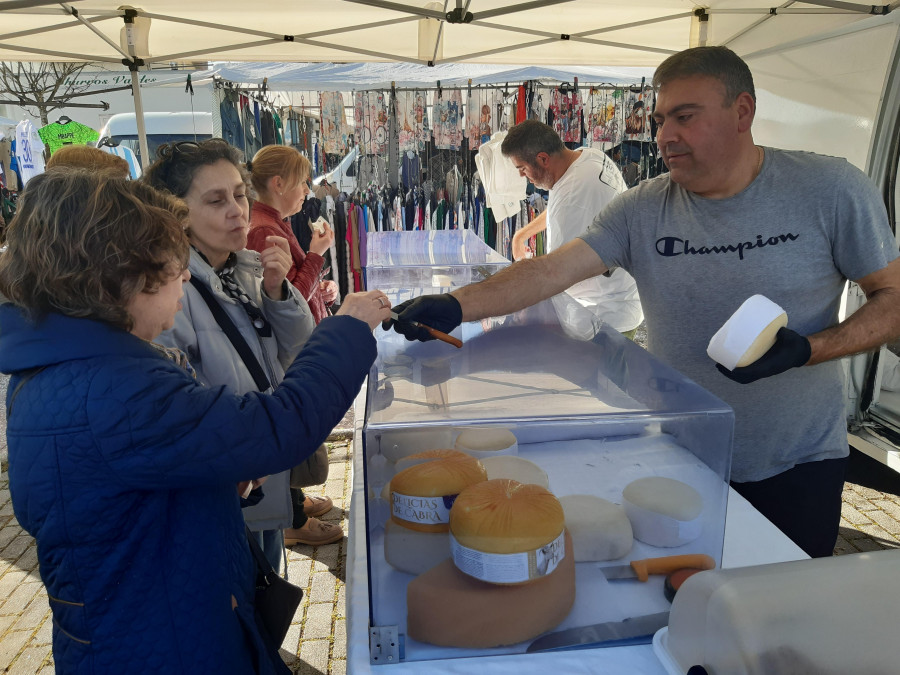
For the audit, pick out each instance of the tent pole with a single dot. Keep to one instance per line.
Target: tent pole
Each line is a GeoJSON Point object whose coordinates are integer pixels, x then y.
{"type": "Point", "coordinates": [139, 115]}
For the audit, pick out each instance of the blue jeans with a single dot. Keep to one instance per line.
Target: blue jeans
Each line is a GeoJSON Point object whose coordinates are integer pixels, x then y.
{"type": "Point", "coordinates": [272, 544]}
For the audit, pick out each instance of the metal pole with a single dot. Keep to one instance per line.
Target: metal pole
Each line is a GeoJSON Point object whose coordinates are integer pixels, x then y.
{"type": "Point", "coordinates": [139, 117]}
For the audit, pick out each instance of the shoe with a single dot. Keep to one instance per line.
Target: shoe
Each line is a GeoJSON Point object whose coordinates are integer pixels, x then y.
{"type": "Point", "coordinates": [314, 507]}
{"type": "Point", "coordinates": [313, 533]}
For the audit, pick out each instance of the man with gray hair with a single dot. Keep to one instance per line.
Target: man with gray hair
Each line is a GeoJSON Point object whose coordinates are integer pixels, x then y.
{"type": "Point", "coordinates": [732, 219]}
{"type": "Point", "coordinates": [581, 183]}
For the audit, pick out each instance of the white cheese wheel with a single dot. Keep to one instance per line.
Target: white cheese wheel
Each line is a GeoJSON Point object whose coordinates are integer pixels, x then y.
{"type": "Point", "coordinates": [414, 552]}
{"type": "Point", "coordinates": [600, 529]}
{"type": "Point", "coordinates": [448, 608]}
{"type": "Point", "coordinates": [396, 444]}
{"type": "Point", "coordinates": [663, 511]}
{"type": "Point", "coordinates": [515, 468]}
{"type": "Point", "coordinates": [484, 442]}
{"type": "Point", "coordinates": [748, 334]}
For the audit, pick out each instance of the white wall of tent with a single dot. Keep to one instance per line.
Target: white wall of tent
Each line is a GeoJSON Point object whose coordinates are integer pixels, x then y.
{"type": "Point", "coordinates": [827, 74]}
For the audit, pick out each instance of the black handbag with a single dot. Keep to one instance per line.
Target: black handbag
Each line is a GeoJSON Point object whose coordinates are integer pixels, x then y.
{"type": "Point", "coordinates": [276, 598]}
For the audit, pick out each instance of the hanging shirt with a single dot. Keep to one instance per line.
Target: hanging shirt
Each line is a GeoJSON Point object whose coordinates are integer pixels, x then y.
{"type": "Point", "coordinates": [566, 109]}
{"type": "Point", "coordinates": [503, 186]}
{"type": "Point", "coordinates": [484, 110]}
{"type": "Point", "coordinates": [29, 151]}
{"type": "Point", "coordinates": [56, 135]}
{"type": "Point", "coordinates": [333, 122]}
{"type": "Point", "coordinates": [134, 168]}
{"type": "Point", "coordinates": [371, 117]}
{"type": "Point", "coordinates": [447, 119]}
{"type": "Point", "coordinates": [12, 181]}
{"type": "Point", "coordinates": [637, 118]}
{"type": "Point", "coordinates": [604, 118]}
{"type": "Point", "coordinates": [412, 122]}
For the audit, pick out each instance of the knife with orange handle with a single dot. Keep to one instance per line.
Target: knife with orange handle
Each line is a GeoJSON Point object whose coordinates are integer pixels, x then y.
{"type": "Point", "coordinates": [642, 569]}
{"type": "Point", "coordinates": [433, 332]}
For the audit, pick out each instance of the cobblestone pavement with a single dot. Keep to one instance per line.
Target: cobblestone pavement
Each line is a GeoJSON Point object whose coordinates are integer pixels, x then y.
{"type": "Point", "coordinates": [316, 644]}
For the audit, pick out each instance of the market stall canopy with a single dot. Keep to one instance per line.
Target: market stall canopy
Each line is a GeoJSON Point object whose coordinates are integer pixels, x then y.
{"type": "Point", "coordinates": [542, 32]}
{"type": "Point", "coordinates": [324, 76]}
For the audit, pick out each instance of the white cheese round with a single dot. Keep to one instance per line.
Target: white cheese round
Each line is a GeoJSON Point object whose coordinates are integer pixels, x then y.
{"type": "Point", "coordinates": [663, 511]}
{"type": "Point", "coordinates": [600, 529]}
{"type": "Point", "coordinates": [515, 468]}
{"type": "Point", "coordinates": [487, 442]}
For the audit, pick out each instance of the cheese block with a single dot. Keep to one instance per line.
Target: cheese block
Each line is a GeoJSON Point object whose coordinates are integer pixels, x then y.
{"type": "Point", "coordinates": [421, 496]}
{"type": "Point", "coordinates": [427, 456]}
{"type": "Point", "coordinates": [748, 334]}
{"type": "Point", "coordinates": [412, 551]}
{"type": "Point", "coordinates": [448, 608]}
{"type": "Point", "coordinates": [318, 225]}
{"type": "Point", "coordinates": [663, 511]}
{"type": "Point", "coordinates": [506, 532]}
{"type": "Point", "coordinates": [600, 529]}
{"type": "Point", "coordinates": [484, 442]}
{"type": "Point", "coordinates": [517, 469]}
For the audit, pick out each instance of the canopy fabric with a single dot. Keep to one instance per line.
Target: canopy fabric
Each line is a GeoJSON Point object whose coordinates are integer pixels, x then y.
{"type": "Point", "coordinates": [344, 76]}
{"type": "Point", "coordinates": [543, 32]}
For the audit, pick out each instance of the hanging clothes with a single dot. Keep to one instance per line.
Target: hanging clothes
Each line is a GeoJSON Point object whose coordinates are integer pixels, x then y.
{"type": "Point", "coordinates": [232, 130]}
{"type": "Point", "coordinates": [503, 185]}
{"type": "Point", "coordinates": [6, 158]}
{"type": "Point", "coordinates": [412, 120]}
{"type": "Point", "coordinates": [565, 112]}
{"type": "Point", "coordinates": [604, 118]}
{"type": "Point", "coordinates": [29, 151]}
{"type": "Point", "coordinates": [68, 132]}
{"type": "Point", "coordinates": [447, 119]}
{"type": "Point", "coordinates": [333, 122]}
{"type": "Point", "coordinates": [484, 110]}
{"type": "Point", "coordinates": [134, 167]}
{"type": "Point", "coordinates": [371, 117]}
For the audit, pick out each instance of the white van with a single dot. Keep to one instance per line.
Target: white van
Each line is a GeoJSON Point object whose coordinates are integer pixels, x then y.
{"type": "Point", "coordinates": [162, 127]}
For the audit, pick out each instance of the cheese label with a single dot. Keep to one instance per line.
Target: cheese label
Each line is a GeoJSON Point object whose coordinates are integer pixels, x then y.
{"type": "Point", "coordinates": [423, 510]}
{"type": "Point", "coordinates": [508, 568]}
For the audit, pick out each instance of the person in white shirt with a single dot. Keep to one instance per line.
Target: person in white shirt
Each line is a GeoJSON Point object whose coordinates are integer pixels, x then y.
{"type": "Point", "coordinates": [581, 183]}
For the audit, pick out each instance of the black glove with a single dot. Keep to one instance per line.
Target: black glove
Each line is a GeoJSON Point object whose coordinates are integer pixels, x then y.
{"type": "Point", "coordinates": [442, 312]}
{"type": "Point", "coordinates": [791, 350]}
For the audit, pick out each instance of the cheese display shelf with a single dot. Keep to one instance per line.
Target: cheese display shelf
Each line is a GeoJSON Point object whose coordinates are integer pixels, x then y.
{"type": "Point", "coordinates": [588, 417]}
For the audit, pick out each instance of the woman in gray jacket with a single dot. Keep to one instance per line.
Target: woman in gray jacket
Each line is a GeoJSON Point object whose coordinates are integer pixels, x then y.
{"type": "Point", "coordinates": [271, 317]}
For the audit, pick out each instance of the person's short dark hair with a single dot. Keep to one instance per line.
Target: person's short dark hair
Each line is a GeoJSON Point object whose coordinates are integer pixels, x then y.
{"type": "Point", "coordinates": [84, 243]}
{"type": "Point", "coordinates": [177, 163]}
{"type": "Point", "coordinates": [718, 62]}
{"type": "Point", "coordinates": [526, 139]}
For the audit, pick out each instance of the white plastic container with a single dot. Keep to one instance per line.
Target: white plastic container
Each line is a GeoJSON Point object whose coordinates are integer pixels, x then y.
{"type": "Point", "coordinates": [829, 616]}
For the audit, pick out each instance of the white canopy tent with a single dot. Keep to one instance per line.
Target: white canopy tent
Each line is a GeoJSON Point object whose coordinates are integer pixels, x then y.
{"type": "Point", "coordinates": [796, 48]}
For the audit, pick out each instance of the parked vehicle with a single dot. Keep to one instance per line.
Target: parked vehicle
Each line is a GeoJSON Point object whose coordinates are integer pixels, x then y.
{"type": "Point", "coordinates": [162, 127]}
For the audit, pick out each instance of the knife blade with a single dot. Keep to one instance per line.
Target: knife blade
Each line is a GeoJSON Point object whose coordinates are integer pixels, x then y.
{"type": "Point", "coordinates": [633, 631]}
{"type": "Point", "coordinates": [642, 569]}
{"type": "Point", "coordinates": [434, 332]}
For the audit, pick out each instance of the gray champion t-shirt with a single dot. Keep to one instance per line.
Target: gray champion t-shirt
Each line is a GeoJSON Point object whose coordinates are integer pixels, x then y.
{"type": "Point", "coordinates": [803, 227]}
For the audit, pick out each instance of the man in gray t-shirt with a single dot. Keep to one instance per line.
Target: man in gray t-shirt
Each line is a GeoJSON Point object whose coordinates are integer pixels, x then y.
{"type": "Point", "coordinates": [732, 219]}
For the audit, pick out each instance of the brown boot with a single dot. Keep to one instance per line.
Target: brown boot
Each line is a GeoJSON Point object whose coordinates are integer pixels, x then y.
{"type": "Point", "coordinates": [316, 506]}
{"type": "Point", "coordinates": [313, 533]}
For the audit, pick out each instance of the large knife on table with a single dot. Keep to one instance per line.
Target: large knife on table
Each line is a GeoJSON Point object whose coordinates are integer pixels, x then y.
{"type": "Point", "coordinates": [632, 631]}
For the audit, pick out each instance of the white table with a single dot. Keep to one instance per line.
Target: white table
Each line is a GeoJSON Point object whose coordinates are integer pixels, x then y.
{"type": "Point", "coordinates": [750, 539]}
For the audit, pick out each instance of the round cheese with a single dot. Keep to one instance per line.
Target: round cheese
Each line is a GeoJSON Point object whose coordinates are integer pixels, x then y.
{"type": "Point", "coordinates": [395, 444]}
{"type": "Point", "coordinates": [427, 456]}
{"type": "Point", "coordinates": [600, 529]}
{"type": "Point", "coordinates": [505, 516]}
{"type": "Point", "coordinates": [421, 496]}
{"type": "Point", "coordinates": [517, 469]}
{"type": "Point", "coordinates": [414, 552]}
{"type": "Point", "coordinates": [484, 442]}
{"type": "Point", "coordinates": [748, 334]}
{"type": "Point", "coordinates": [663, 511]}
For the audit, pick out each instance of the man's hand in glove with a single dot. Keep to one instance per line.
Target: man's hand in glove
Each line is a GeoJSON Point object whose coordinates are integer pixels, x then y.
{"type": "Point", "coordinates": [791, 350]}
{"type": "Point", "coordinates": [442, 312]}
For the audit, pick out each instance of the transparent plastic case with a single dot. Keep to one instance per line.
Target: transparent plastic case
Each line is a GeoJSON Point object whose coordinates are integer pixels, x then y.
{"type": "Point", "coordinates": [580, 417]}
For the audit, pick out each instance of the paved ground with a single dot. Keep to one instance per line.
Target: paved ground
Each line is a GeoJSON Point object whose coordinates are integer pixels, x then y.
{"type": "Point", "coordinates": [316, 643]}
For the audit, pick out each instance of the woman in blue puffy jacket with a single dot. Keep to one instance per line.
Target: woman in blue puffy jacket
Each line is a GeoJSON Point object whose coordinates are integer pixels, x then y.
{"type": "Point", "coordinates": [121, 465]}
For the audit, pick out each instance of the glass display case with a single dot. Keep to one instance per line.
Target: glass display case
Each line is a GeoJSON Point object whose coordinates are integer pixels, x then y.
{"type": "Point", "coordinates": [581, 424]}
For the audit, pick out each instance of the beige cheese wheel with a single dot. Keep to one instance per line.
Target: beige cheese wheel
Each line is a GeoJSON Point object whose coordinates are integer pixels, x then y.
{"type": "Point", "coordinates": [427, 456]}
{"type": "Point", "coordinates": [505, 516]}
{"type": "Point", "coordinates": [449, 608]}
{"type": "Point", "coordinates": [414, 552]}
{"type": "Point", "coordinates": [763, 342]}
{"type": "Point", "coordinates": [517, 469]}
{"type": "Point", "coordinates": [436, 479]}
{"type": "Point", "coordinates": [600, 529]}
{"type": "Point", "coordinates": [485, 442]}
